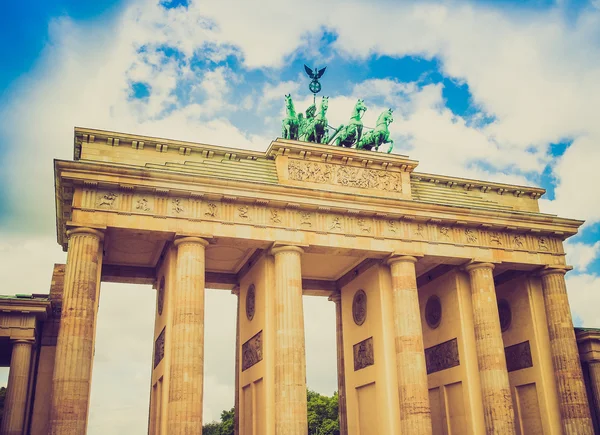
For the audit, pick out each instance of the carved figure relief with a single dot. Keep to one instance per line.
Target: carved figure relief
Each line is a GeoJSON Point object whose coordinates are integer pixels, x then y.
{"type": "Point", "coordinates": [212, 210]}
{"type": "Point", "coordinates": [391, 226]}
{"type": "Point", "coordinates": [252, 351]}
{"type": "Point", "coordinates": [142, 204]}
{"type": "Point", "coordinates": [306, 218]}
{"type": "Point", "coordinates": [363, 354]}
{"type": "Point", "coordinates": [445, 231]}
{"type": "Point", "coordinates": [107, 200]}
{"type": "Point", "coordinates": [159, 348]}
{"type": "Point", "coordinates": [177, 205]}
{"type": "Point", "coordinates": [310, 171]}
{"type": "Point", "coordinates": [495, 238]}
{"type": "Point", "coordinates": [363, 225]}
{"type": "Point", "coordinates": [471, 235]}
{"type": "Point", "coordinates": [518, 356]}
{"type": "Point", "coordinates": [359, 307]}
{"type": "Point", "coordinates": [250, 302]}
{"type": "Point", "coordinates": [419, 230]}
{"type": "Point", "coordinates": [349, 176]}
{"type": "Point", "coordinates": [161, 296]}
{"type": "Point", "coordinates": [543, 244]}
{"type": "Point", "coordinates": [275, 217]}
{"type": "Point", "coordinates": [433, 311]}
{"type": "Point", "coordinates": [518, 241]}
{"type": "Point", "coordinates": [442, 356]}
{"type": "Point", "coordinates": [336, 224]}
{"type": "Point", "coordinates": [505, 314]}
{"type": "Point", "coordinates": [243, 212]}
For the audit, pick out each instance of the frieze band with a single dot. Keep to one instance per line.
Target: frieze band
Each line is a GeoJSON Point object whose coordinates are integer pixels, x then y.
{"type": "Point", "coordinates": [349, 176]}
{"type": "Point", "coordinates": [320, 220]}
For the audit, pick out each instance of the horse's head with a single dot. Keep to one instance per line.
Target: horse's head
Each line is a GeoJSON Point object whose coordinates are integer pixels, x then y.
{"type": "Point", "coordinates": [360, 106]}
{"type": "Point", "coordinates": [385, 117]}
{"type": "Point", "coordinates": [288, 100]}
{"type": "Point", "coordinates": [324, 103]}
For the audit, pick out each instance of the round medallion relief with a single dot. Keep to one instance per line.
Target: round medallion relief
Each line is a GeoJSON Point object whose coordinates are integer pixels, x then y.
{"type": "Point", "coordinates": [161, 296]}
{"type": "Point", "coordinates": [433, 311]}
{"type": "Point", "coordinates": [250, 302]}
{"type": "Point", "coordinates": [359, 307]}
{"type": "Point", "coordinates": [505, 314]}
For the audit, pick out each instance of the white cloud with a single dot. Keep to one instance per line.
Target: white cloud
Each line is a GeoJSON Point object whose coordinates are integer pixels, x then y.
{"type": "Point", "coordinates": [580, 255]}
{"type": "Point", "coordinates": [584, 298]}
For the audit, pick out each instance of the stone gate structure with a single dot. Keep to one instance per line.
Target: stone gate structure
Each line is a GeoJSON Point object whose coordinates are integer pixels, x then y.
{"type": "Point", "coordinates": [451, 305]}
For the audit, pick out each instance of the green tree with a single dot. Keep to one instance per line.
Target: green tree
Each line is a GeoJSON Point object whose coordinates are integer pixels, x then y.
{"type": "Point", "coordinates": [224, 427]}
{"type": "Point", "coordinates": [322, 414]}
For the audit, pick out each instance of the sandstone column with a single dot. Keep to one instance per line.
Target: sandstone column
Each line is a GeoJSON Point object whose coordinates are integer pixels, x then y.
{"type": "Point", "coordinates": [594, 367]}
{"type": "Point", "coordinates": [18, 386]}
{"type": "Point", "coordinates": [495, 388]}
{"type": "Point", "coordinates": [343, 419]}
{"type": "Point", "coordinates": [236, 416]}
{"type": "Point", "coordinates": [187, 339]}
{"type": "Point", "coordinates": [71, 380]}
{"type": "Point", "coordinates": [290, 359]}
{"type": "Point", "coordinates": [572, 398]}
{"type": "Point", "coordinates": [415, 414]}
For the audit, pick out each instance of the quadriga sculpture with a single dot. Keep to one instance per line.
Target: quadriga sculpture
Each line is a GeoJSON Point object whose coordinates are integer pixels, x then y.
{"type": "Point", "coordinates": [380, 135]}
{"type": "Point", "coordinates": [348, 135]}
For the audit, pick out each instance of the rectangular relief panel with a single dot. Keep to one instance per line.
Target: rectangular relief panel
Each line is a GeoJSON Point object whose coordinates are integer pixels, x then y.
{"type": "Point", "coordinates": [528, 408]}
{"type": "Point", "coordinates": [442, 356]}
{"type": "Point", "coordinates": [363, 354]}
{"type": "Point", "coordinates": [252, 352]}
{"type": "Point", "coordinates": [518, 356]}
{"type": "Point", "coordinates": [368, 422]}
{"type": "Point", "coordinates": [159, 348]}
{"type": "Point", "coordinates": [457, 420]}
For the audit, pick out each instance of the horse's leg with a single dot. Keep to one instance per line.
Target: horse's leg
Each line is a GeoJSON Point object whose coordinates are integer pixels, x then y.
{"type": "Point", "coordinates": [391, 147]}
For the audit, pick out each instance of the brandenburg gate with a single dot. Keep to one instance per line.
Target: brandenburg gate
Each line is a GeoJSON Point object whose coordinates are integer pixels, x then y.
{"type": "Point", "coordinates": [451, 305]}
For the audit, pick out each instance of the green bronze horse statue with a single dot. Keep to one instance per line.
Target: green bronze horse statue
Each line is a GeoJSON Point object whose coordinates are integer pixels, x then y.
{"type": "Point", "coordinates": [316, 129]}
{"type": "Point", "coordinates": [380, 135]}
{"type": "Point", "coordinates": [348, 135]}
{"type": "Point", "coordinates": [290, 123]}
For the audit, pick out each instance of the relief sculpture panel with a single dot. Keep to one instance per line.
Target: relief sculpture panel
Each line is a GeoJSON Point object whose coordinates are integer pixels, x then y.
{"type": "Point", "coordinates": [442, 356]}
{"type": "Point", "coordinates": [363, 354]}
{"type": "Point", "coordinates": [518, 356]}
{"type": "Point", "coordinates": [349, 176]}
{"type": "Point", "coordinates": [159, 348]}
{"type": "Point", "coordinates": [252, 351]}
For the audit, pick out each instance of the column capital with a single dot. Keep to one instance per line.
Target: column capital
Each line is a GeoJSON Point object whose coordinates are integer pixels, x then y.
{"type": "Point", "coordinates": [85, 230]}
{"type": "Point", "coordinates": [191, 239]}
{"type": "Point", "coordinates": [474, 265]}
{"type": "Point", "coordinates": [395, 258]}
{"type": "Point", "coordinates": [30, 341]}
{"type": "Point", "coordinates": [554, 270]}
{"type": "Point", "coordinates": [284, 247]}
{"type": "Point", "coordinates": [236, 290]}
{"type": "Point", "coordinates": [335, 297]}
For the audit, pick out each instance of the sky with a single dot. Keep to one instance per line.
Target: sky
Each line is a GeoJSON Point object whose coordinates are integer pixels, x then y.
{"type": "Point", "coordinates": [496, 90]}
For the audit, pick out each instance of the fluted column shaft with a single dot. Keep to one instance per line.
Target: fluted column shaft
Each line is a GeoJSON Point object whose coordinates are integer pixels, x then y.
{"type": "Point", "coordinates": [415, 413]}
{"type": "Point", "coordinates": [236, 415]}
{"type": "Point", "coordinates": [342, 417]}
{"type": "Point", "coordinates": [594, 367]}
{"type": "Point", "coordinates": [290, 354]}
{"type": "Point", "coordinates": [71, 380]}
{"type": "Point", "coordinates": [495, 388]}
{"type": "Point", "coordinates": [15, 401]}
{"type": "Point", "coordinates": [572, 398]}
{"type": "Point", "coordinates": [187, 339]}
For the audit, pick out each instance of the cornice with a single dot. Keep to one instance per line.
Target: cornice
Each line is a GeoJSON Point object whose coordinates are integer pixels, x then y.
{"type": "Point", "coordinates": [483, 186]}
